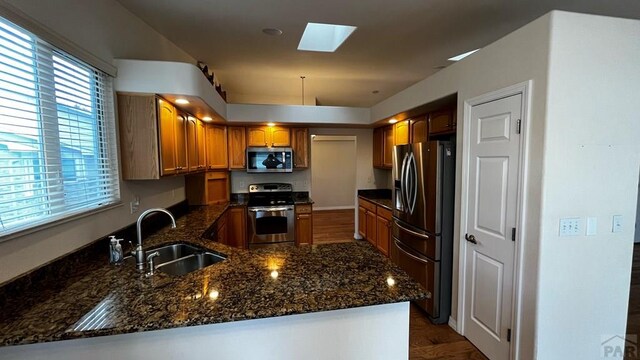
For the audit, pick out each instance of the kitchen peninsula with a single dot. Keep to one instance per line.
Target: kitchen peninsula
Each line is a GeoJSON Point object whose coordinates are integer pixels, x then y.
{"type": "Point", "coordinates": [298, 302]}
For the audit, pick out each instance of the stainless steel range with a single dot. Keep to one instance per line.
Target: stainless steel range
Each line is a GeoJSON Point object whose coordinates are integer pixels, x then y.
{"type": "Point", "coordinates": [271, 214]}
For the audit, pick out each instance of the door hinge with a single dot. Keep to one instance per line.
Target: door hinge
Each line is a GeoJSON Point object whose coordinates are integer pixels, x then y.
{"type": "Point", "coordinates": [513, 234]}
{"type": "Point", "coordinates": [509, 335]}
{"type": "Point", "coordinates": [518, 125]}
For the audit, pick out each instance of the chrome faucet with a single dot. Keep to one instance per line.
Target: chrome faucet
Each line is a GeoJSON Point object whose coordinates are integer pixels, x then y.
{"type": "Point", "coordinates": [138, 252]}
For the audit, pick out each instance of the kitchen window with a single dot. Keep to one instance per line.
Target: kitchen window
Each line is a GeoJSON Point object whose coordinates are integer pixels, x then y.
{"type": "Point", "coordinates": [58, 154]}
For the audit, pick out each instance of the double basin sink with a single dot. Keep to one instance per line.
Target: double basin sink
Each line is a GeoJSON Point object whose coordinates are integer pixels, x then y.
{"type": "Point", "coordinates": [180, 259]}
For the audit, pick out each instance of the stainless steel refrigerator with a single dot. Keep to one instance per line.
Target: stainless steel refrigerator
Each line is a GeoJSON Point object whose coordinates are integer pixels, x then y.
{"type": "Point", "coordinates": [422, 245]}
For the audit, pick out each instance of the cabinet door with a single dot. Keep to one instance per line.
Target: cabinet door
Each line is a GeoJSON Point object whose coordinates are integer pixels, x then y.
{"type": "Point", "coordinates": [192, 143]}
{"type": "Point", "coordinates": [387, 153]}
{"type": "Point", "coordinates": [382, 236]}
{"type": "Point", "coordinates": [181, 144]}
{"type": "Point", "coordinates": [378, 140]}
{"type": "Point", "coordinates": [418, 130]}
{"type": "Point", "coordinates": [401, 132]}
{"type": "Point", "coordinates": [139, 141]}
{"type": "Point", "coordinates": [300, 145]}
{"type": "Point", "coordinates": [222, 228]}
{"type": "Point", "coordinates": [201, 140]}
{"type": "Point", "coordinates": [258, 136]}
{"type": "Point", "coordinates": [280, 136]}
{"type": "Point", "coordinates": [167, 119]}
{"type": "Point", "coordinates": [237, 226]}
{"type": "Point", "coordinates": [237, 146]}
{"type": "Point", "coordinates": [217, 187]}
{"type": "Point", "coordinates": [362, 222]}
{"type": "Point", "coordinates": [304, 229]}
{"type": "Point", "coordinates": [216, 146]}
{"type": "Point", "coordinates": [441, 122]}
{"type": "Point", "coordinates": [371, 228]}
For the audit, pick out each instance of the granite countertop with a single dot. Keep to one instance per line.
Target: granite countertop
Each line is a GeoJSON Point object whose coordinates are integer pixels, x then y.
{"type": "Point", "coordinates": [380, 197]}
{"type": "Point", "coordinates": [248, 285]}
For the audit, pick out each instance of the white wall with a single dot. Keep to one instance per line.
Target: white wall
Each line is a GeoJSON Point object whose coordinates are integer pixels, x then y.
{"type": "Point", "coordinates": [106, 29]}
{"type": "Point", "coordinates": [329, 115]}
{"type": "Point", "coordinates": [516, 58]}
{"type": "Point", "coordinates": [591, 162]}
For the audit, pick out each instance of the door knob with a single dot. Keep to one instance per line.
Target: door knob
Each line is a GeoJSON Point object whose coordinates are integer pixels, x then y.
{"type": "Point", "coordinates": [470, 238]}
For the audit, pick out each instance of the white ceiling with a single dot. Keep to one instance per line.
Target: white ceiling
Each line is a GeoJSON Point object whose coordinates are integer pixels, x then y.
{"type": "Point", "coordinates": [397, 43]}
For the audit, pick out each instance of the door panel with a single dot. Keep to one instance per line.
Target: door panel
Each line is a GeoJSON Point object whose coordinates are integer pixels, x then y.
{"type": "Point", "coordinates": [494, 152]}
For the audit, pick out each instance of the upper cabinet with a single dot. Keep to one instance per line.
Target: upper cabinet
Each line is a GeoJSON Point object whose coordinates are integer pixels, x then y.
{"type": "Point", "coordinates": [195, 144]}
{"type": "Point", "coordinates": [152, 138]}
{"type": "Point", "coordinates": [442, 122]}
{"type": "Point", "coordinates": [237, 146]}
{"type": "Point", "coordinates": [300, 145]}
{"type": "Point", "coordinates": [401, 132]}
{"type": "Point", "coordinates": [418, 129]}
{"type": "Point", "coordinates": [272, 136]}
{"type": "Point", "coordinates": [378, 143]}
{"type": "Point", "coordinates": [216, 146]}
{"type": "Point", "coordinates": [387, 147]}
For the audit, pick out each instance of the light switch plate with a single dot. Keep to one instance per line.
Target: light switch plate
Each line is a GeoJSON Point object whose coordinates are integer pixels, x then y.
{"type": "Point", "coordinates": [616, 224]}
{"type": "Point", "coordinates": [570, 226]}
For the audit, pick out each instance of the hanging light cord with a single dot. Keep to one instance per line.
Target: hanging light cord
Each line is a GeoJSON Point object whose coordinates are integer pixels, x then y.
{"type": "Point", "coordinates": [302, 78]}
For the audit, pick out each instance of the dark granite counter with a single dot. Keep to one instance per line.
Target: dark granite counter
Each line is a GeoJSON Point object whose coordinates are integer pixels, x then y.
{"type": "Point", "coordinates": [380, 197]}
{"type": "Point", "coordinates": [302, 198]}
{"type": "Point", "coordinates": [248, 285]}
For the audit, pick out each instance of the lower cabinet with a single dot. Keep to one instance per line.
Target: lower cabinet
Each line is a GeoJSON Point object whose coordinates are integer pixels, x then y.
{"type": "Point", "coordinates": [374, 224]}
{"type": "Point", "coordinates": [221, 235]}
{"type": "Point", "coordinates": [304, 224]}
{"type": "Point", "coordinates": [237, 226]}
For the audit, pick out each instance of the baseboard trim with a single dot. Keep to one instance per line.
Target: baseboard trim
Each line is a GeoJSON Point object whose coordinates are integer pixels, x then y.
{"type": "Point", "coordinates": [350, 207]}
{"type": "Point", "coordinates": [453, 324]}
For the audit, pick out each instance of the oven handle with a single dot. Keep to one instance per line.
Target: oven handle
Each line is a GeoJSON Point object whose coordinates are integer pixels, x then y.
{"type": "Point", "coordinates": [267, 209]}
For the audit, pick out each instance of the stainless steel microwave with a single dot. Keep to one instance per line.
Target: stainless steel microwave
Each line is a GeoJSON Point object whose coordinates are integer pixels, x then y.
{"type": "Point", "coordinates": [269, 159]}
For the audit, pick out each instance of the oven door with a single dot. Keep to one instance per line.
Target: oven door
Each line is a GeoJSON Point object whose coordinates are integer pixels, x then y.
{"type": "Point", "coordinates": [269, 225]}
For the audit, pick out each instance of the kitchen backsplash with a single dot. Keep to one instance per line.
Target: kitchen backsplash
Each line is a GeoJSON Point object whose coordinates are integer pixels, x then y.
{"type": "Point", "coordinates": [240, 180]}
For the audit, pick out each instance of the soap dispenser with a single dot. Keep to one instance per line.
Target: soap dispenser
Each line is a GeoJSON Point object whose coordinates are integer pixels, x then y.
{"type": "Point", "coordinates": [116, 254]}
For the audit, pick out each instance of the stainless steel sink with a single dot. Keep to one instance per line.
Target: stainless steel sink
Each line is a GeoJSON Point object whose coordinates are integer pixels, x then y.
{"type": "Point", "coordinates": [180, 259]}
{"type": "Point", "coordinates": [189, 263]}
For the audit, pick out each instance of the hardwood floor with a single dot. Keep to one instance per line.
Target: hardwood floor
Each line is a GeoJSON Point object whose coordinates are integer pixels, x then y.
{"type": "Point", "coordinates": [426, 340]}
{"type": "Point", "coordinates": [332, 226]}
{"type": "Point", "coordinates": [429, 341]}
{"type": "Point", "coordinates": [633, 317]}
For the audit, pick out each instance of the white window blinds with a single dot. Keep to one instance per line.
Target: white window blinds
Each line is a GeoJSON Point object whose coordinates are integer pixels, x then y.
{"type": "Point", "coordinates": [58, 153]}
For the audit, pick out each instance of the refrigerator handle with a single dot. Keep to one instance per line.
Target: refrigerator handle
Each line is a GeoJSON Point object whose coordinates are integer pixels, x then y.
{"type": "Point", "coordinates": [403, 185]}
{"type": "Point", "coordinates": [412, 190]}
{"type": "Point", "coordinates": [411, 231]}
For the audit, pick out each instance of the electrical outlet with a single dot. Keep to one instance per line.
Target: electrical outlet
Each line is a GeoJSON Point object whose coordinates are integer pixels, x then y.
{"type": "Point", "coordinates": [616, 224]}
{"type": "Point", "coordinates": [133, 205]}
{"type": "Point", "coordinates": [570, 226]}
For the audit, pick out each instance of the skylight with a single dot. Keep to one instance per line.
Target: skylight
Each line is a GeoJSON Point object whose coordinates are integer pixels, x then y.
{"type": "Point", "coordinates": [324, 37]}
{"type": "Point", "coordinates": [462, 56]}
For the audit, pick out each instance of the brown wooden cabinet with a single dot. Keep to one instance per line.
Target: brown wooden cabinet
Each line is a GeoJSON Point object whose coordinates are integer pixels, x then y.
{"type": "Point", "coordinates": [152, 138]}
{"type": "Point", "coordinates": [195, 144]}
{"type": "Point", "coordinates": [378, 145]}
{"type": "Point", "coordinates": [362, 221]}
{"type": "Point", "coordinates": [401, 132]}
{"type": "Point", "coordinates": [237, 145]}
{"type": "Point", "coordinates": [221, 234]}
{"type": "Point", "coordinates": [216, 147]}
{"type": "Point", "coordinates": [442, 122]}
{"type": "Point", "coordinates": [300, 146]}
{"type": "Point", "coordinates": [272, 136]}
{"type": "Point", "coordinates": [207, 188]}
{"type": "Point", "coordinates": [387, 150]}
{"type": "Point", "coordinates": [304, 224]}
{"type": "Point", "coordinates": [383, 230]}
{"type": "Point", "coordinates": [237, 226]}
{"type": "Point", "coordinates": [419, 129]}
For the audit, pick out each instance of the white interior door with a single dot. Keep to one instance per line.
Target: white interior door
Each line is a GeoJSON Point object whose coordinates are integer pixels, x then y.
{"type": "Point", "coordinates": [494, 152]}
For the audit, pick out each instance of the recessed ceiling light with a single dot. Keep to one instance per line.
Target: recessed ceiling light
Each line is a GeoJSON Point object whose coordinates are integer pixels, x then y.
{"type": "Point", "coordinates": [182, 101]}
{"type": "Point", "coordinates": [462, 56]}
{"type": "Point", "coordinates": [393, 121]}
{"type": "Point", "coordinates": [207, 118]}
{"type": "Point", "coordinates": [324, 37]}
{"type": "Point", "coordinates": [375, 91]}
{"type": "Point", "coordinates": [271, 124]}
{"type": "Point", "coordinates": [272, 31]}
